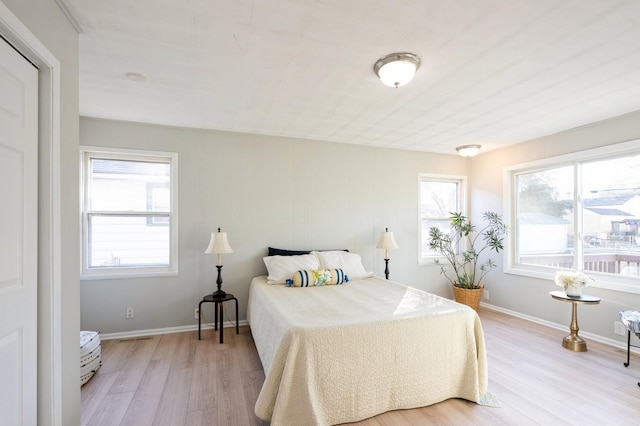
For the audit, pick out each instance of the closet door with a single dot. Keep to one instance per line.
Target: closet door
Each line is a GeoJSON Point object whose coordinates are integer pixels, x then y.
{"type": "Point", "coordinates": [18, 237]}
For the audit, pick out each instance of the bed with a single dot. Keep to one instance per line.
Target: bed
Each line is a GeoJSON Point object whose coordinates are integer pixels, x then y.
{"type": "Point", "coordinates": [341, 353]}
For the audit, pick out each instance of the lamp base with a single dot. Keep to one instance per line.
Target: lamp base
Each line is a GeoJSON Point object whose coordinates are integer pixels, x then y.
{"type": "Point", "coordinates": [218, 294]}
{"type": "Point", "coordinates": [386, 268]}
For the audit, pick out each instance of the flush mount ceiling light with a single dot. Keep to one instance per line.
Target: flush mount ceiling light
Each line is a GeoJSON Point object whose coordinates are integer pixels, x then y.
{"type": "Point", "coordinates": [468, 150]}
{"type": "Point", "coordinates": [136, 76]}
{"type": "Point", "coordinates": [397, 69]}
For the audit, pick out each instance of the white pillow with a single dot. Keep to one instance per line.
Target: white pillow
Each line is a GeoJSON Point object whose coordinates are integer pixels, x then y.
{"type": "Point", "coordinates": [282, 268]}
{"type": "Point", "coordinates": [350, 263]}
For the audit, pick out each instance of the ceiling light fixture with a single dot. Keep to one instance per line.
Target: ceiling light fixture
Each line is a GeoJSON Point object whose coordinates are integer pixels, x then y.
{"type": "Point", "coordinates": [468, 150]}
{"type": "Point", "coordinates": [397, 69]}
{"type": "Point", "coordinates": [136, 76]}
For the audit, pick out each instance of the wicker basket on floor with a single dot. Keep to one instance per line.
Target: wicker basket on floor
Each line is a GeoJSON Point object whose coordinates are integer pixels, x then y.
{"type": "Point", "coordinates": [469, 297]}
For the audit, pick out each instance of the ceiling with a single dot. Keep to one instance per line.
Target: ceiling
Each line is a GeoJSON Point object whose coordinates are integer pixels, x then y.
{"type": "Point", "coordinates": [493, 72]}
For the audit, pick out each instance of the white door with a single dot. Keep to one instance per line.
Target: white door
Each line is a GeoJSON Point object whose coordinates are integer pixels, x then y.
{"type": "Point", "coordinates": [18, 237]}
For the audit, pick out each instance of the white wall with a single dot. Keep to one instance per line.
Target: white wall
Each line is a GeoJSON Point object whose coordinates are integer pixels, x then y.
{"type": "Point", "coordinates": [301, 194]}
{"type": "Point", "coordinates": [45, 20]}
{"type": "Point", "coordinates": [265, 191]}
{"type": "Point", "coordinates": [530, 296]}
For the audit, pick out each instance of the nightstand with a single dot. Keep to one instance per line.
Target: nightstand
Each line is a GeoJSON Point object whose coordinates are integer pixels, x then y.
{"type": "Point", "coordinates": [219, 314]}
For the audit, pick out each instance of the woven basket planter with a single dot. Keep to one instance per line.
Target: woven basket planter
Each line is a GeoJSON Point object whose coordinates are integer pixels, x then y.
{"type": "Point", "coordinates": [469, 297]}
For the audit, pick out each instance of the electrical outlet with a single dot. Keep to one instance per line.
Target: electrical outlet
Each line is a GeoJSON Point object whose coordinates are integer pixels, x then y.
{"type": "Point", "coordinates": [619, 328]}
{"type": "Point", "coordinates": [129, 313]}
{"type": "Point", "coordinates": [197, 313]}
{"type": "Point", "coordinates": [485, 294]}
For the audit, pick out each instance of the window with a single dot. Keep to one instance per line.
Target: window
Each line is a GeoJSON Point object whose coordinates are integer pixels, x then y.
{"type": "Point", "coordinates": [439, 196]}
{"type": "Point", "coordinates": [579, 211]}
{"type": "Point", "coordinates": [542, 227]}
{"type": "Point", "coordinates": [129, 214]}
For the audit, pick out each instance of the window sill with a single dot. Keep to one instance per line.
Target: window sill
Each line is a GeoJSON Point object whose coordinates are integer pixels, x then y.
{"type": "Point", "coordinates": [608, 282]}
{"type": "Point", "coordinates": [126, 275]}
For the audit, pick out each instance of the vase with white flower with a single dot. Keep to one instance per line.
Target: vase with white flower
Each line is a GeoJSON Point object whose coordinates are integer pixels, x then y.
{"type": "Point", "coordinates": [572, 281]}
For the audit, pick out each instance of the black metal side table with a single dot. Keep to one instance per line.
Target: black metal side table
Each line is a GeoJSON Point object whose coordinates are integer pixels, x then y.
{"type": "Point", "coordinates": [219, 316]}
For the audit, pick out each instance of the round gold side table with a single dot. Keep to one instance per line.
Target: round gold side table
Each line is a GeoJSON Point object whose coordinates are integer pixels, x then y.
{"type": "Point", "coordinates": [573, 341]}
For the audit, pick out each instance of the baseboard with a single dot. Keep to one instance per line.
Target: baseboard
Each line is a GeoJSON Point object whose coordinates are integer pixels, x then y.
{"type": "Point", "coordinates": [562, 327]}
{"type": "Point", "coordinates": [155, 331]}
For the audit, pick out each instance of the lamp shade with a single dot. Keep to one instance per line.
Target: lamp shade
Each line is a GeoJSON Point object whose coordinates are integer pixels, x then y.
{"type": "Point", "coordinates": [397, 69]}
{"type": "Point", "coordinates": [219, 243]}
{"type": "Point", "coordinates": [468, 150]}
{"type": "Point", "coordinates": [387, 241]}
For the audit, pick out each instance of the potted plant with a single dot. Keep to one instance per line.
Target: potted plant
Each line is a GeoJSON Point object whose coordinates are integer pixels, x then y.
{"type": "Point", "coordinates": [461, 249]}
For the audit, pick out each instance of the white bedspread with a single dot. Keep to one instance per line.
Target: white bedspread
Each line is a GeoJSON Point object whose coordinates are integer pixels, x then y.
{"type": "Point", "coordinates": [336, 354]}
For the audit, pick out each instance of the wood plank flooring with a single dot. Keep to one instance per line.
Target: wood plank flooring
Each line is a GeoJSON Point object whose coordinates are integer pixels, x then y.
{"type": "Point", "coordinates": [176, 380]}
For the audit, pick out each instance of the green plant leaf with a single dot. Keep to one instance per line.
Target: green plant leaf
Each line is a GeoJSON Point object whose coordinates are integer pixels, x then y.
{"type": "Point", "coordinates": [462, 247]}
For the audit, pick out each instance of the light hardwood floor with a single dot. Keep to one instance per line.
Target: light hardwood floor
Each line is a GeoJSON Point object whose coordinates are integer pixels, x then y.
{"type": "Point", "coordinates": [176, 380]}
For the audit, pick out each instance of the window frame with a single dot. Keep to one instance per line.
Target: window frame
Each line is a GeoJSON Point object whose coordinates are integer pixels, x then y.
{"type": "Point", "coordinates": [462, 202]}
{"type": "Point", "coordinates": [623, 283]}
{"type": "Point", "coordinates": [86, 154]}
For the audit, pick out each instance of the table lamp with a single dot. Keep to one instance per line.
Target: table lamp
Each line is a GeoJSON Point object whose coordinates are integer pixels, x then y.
{"type": "Point", "coordinates": [386, 242]}
{"type": "Point", "coordinates": [219, 244]}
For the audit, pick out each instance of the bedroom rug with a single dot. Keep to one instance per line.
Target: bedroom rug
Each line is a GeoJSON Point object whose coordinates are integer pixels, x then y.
{"type": "Point", "coordinates": [489, 399]}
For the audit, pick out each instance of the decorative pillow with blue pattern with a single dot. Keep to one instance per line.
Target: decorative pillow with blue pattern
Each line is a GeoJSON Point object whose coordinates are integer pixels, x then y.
{"type": "Point", "coordinates": [317, 277]}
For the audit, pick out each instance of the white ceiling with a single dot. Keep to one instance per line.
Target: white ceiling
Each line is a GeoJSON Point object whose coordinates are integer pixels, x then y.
{"type": "Point", "coordinates": [493, 72]}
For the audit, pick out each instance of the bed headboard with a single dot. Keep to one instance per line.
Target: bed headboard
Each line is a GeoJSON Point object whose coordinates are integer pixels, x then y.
{"type": "Point", "coordinates": [283, 252]}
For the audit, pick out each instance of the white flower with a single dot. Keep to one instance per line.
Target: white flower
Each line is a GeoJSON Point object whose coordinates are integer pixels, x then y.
{"type": "Point", "coordinates": [572, 278]}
